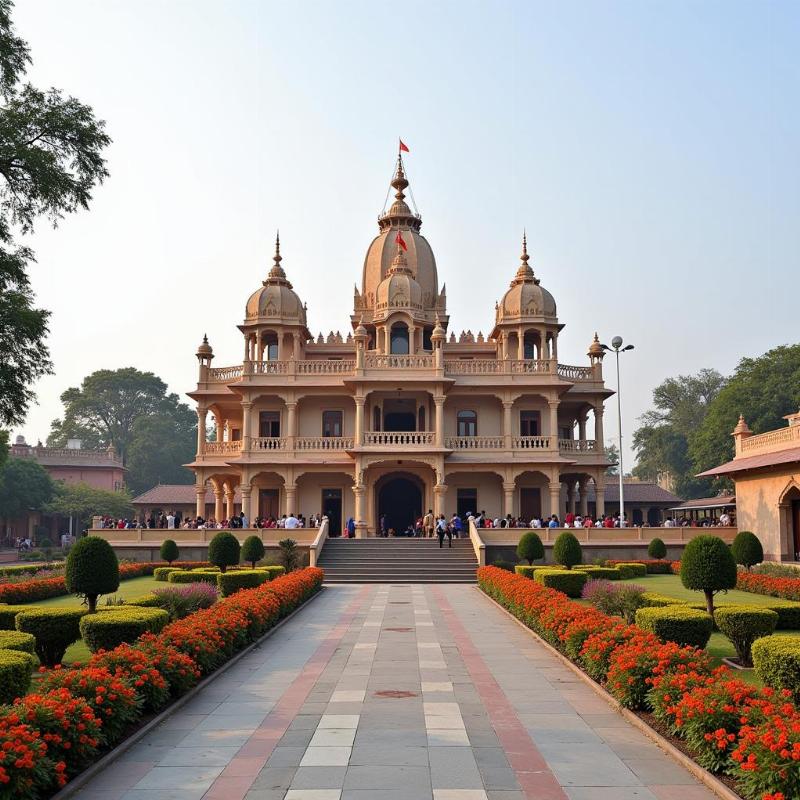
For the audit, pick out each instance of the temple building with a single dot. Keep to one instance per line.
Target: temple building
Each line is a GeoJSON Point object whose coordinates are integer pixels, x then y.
{"type": "Point", "coordinates": [401, 414]}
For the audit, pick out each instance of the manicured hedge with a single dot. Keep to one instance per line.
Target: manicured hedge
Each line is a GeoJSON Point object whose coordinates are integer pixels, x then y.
{"type": "Point", "coordinates": [678, 623]}
{"type": "Point", "coordinates": [743, 625]}
{"type": "Point", "coordinates": [631, 569]}
{"type": "Point", "coordinates": [111, 627]}
{"type": "Point", "coordinates": [145, 601]}
{"type": "Point", "coordinates": [728, 726]}
{"type": "Point", "coordinates": [15, 674]}
{"type": "Point", "coordinates": [655, 600]}
{"type": "Point", "coordinates": [605, 573]}
{"type": "Point", "coordinates": [230, 582]}
{"type": "Point", "coordinates": [777, 662]}
{"type": "Point", "coordinates": [528, 571]}
{"type": "Point", "coordinates": [163, 573]}
{"type": "Point", "coordinates": [16, 640]}
{"type": "Point", "coordinates": [55, 630]}
{"type": "Point", "coordinates": [205, 576]}
{"type": "Point", "coordinates": [653, 566]}
{"type": "Point", "coordinates": [567, 550]}
{"type": "Point", "coordinates": [8, 615]}
{"type": "Point", "coordinates": [274, 570]}
{"type": "Point", "coordinates": [563, 580]}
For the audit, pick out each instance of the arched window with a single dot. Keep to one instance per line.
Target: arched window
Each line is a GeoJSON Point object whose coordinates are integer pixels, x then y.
{"type": "Point", "coordinates": [530, 344]}
{"type": "Point", "coordinates": [270, 346]}
{"type": "Point", "coordinates": [399, 339]}
{"type": "Point", "coordinates": [467, 423]}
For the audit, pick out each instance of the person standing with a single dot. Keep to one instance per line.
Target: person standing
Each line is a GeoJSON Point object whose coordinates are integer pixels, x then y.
{"type": "Point", "coordinates": [444, 529]}
{"type": "Point", "coordinates": [427, 524]}
{"type": "Point", "coordinates": [351, 528]}
{"type": "Point", "coordinates": [441, 530]}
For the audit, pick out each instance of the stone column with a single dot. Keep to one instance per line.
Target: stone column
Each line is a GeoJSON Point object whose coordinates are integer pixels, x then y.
{"type": "Point", "coordinates": [520, 343]}
{"type": "Point", "coordinates": [229, 505]}
{"type": "Point", "coordinates": [360, 494]}
{"type": "Point", "coordinates": [439, 429]}
{"type": "Point", "coordinates": [582, 427]}
{"type": "Point", "coordinates": [412, 339]}
{"type": "Point", "coordinates": [359, 432]}
{"type": "Point", "coordinates": [544, 353]}
{"type": "Point", "coordinates": [600, 496]}
{"type": "Point", "coordinates": [218, 505]}
{"type": "Point", "coordinates": [508, 497]}
{"type": "Point", "coordinates": [219, 424]}
{"type": "Point", "coordinates": [584, 489]}
{"type": "Point", "coordinates": [554, 346]}
{"type": "Point", "coordinates": [291, 423]}
{"type": "Point", "coordinates": [598, 427]}
{"type": "Point", "coordinates": [440, 499]}
{"type": "Point", "coordinates": [200, 500]}
{"type": "Point", "coordinates": [291, 498]}
{"type": "Point", "coordinates": [201, 429]}
{"type": "Point", "coordinates": [296, 346]}
{"type": "Point", "coordinates": [247, 407]}
{"type": "Point", "coordinates": [553, 424]}
{"type": "Point", "coordinates": [245, 490]}
{"type": "Point", "coordinates": [555, 499]}
{"type": "Point", "coordinates": [504, 345]}
{"type": "Point", "coordinates": [571, 497]}
{"type": "Point", "coordinates": [507, 406]}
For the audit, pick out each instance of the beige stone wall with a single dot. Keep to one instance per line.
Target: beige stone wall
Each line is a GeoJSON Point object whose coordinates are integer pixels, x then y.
{"type": "Point", "coordinates": [310, 414]}
{"type": "Point", "coordinates": [309, 493]}
{"type": "Point", "coordinates": [758, 499]}
{"type": "Point", "coordinates": [488, 409]}
{"type": "Point", "coordinates": [488, 485]}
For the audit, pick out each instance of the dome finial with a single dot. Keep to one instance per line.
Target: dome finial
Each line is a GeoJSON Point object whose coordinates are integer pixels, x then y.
{"type": "Point", "coordinates": [525, 273]}
{"type": "Point", "coordinates": [277, 270]}
{"type": "Point", "coordinates": [399, 182]}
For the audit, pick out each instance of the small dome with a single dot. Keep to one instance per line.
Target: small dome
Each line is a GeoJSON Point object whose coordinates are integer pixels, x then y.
{"type": "Point", "coordinates": [595, 348]}
{"type": "Point", "coordinates": [205, 350]}
{"type": "Point", "coordinates": [526, 297]}
{"type": "Point", "coordinates": [399, 289]}
{"type": "Point", "coordinates": [276, 300]}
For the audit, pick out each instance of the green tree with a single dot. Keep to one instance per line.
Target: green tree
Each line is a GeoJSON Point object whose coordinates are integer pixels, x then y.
{"type": "Point", "coordinates": [567, 550]}
{"type": "Point", "coordinates": [92, 569]}
{"type": "Point", "coordinates": [764, 389]}
{"type": "Point", "coordinates": [657, 548]}
{"type": "Point", "coordinates": [50, 160]}
{"type": "Point", "coordinates": [169, 551]}
{"type": "Point", "coordinates": [253, 550]}
{"type": "Point", "coordinates": [24, 486]}
{"type": "Point", "coordinates": [84, 502]}
{"type": "Point", "coordinates": [154, 432]}
{"type": "Point", "coordinates": [224, 550]}
{"type": "Point", "coordinates": [612, 456]}
{"type": "Point", "coordinates": [747, 550]}
{"type": "Point", "coordinates": [707, 566]}
{"type": "Point", "coordinates": [530, 547]}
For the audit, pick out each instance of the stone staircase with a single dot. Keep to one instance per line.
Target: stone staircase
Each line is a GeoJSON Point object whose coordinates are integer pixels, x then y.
{"type": "Point", "coordinates": [397, 561]}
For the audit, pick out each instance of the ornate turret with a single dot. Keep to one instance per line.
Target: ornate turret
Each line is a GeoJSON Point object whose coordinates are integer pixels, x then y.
{"type": "Point", "coordinates": [276, 300]}
{"type": "Point", "coordinates": [595, 351]}
{"type": "Point", "coordinates": [205, 351]}
{"type": "Point", "coordinates": [741, 432]}
{"type": "Point", "coordinates": [526, 297]}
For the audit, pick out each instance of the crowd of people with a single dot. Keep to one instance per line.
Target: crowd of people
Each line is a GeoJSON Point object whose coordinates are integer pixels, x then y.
{"type": "Point", "coordinates": [174, 520]}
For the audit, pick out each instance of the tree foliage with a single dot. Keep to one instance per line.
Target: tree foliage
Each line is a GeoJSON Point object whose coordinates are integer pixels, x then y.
{"type": "Point", "coordinates": [150, 428]}
{"type": "Point", "coordinates": [567, 550]}
{"type": "Point", "coordinates": [747, 549]}
{"type": "Point", "coordinates": [224, 550]}
{"type": "Point", "coordinates": [530, 547]}
{"type": "Point", "coordinates": [253, 550]}
{"type": "Point", "coordinates": [51, 148]}
{"type": "Point", "coordinates": [707, 566]}
{"type": "Point", "coordinates": [84, 502]}
{"type": "Point", "coordinates": [24, 486]}
{"type": "Point", "coordinates": [92, 569]}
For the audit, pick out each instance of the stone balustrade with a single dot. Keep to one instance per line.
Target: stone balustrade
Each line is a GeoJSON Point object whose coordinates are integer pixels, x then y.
{"type": "Point", "coordinates": [372, 361]}
{"type": "Point", "coordinates": [224, 374]}
{"type": "Point", "coordinates": [326, 367]}
{"type": "Point", "coordinates": [324, 443]}
{"type": "Point", "coordinates": [779, 439]}
{"type": "Point", "coordinates": [572, 373]}
{"type": "Point", "coordinates": [268, 443]}
{"type": "Point", "coordinates": [577, 445]}
{"type": "Point", "coordinates": [531, 442]}
{"type": "Point", "coordinates": [399, 438]}
{"type": "Point", "coordinates": [474, 443]}
{"type": "Point", "coordinates": [222, 448]}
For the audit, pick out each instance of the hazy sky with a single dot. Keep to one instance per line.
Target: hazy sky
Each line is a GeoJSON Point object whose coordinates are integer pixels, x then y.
{"type": "Point", "coordinates": [651, 149]}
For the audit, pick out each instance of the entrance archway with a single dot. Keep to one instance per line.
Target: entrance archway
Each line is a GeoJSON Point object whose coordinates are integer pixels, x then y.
{"type": "Point", "coordinates": [399, 498]}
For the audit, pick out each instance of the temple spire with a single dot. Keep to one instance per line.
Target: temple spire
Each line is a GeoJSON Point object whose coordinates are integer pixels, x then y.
{"type": "Point", "coordinates": [525, 273]}
{"type": "Point", "coordinates": [277, 270]}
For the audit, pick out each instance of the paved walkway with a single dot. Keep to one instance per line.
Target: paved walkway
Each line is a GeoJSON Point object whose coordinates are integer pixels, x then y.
{"type": "Point", "coordinates": [396, 693]}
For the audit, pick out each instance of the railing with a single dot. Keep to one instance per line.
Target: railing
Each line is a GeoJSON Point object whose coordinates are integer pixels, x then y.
{"type": "Point", "coordinates": [577, 445]}
{"type": "Point", "coordinates": [268, 443]}
{"type": "Point", "coordinates": [326, 367]}
{"type": "Point", "coordinates": [772, 440]}
{"type": "Point", "coordinates": [324, 443]}
{"type": "Point", "coordinates": [477, 543]}
{"type": "Point", "coordinates": [531, 443]}
{"type": "Point", "coordinates": [474, 442]}
{"type": "Point", "coordinates": [398, 362]}
{"type": "Point", "coordinates": [575, 373]}
{"type": "Point", "coordinates": [497, 366]}
{"type": "Point", "coordinates": [64, 452]}
{"type": "Point", "coordinates": [315, 548]}
{"type": "Point", "coordinates": [224, 374]}
{"type": "Point", "coordinates": [268, 367]}
{"type": "Point", "coordinates": [221, 448]}
{"type": "Point", "coordinates": [402, 438]}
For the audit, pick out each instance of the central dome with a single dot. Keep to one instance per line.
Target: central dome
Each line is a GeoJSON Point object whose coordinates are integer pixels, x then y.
{"type": "Point", "coordinates": [419, 261]}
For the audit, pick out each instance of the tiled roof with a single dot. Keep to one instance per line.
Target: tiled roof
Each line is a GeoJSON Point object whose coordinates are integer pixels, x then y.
{"type": "Point", "coordinates": [166, 494]}
{"type": "Point", "coordinates": [635, 492]}
{"type": "Point", "coordinates": [754, 462]}
{"type": "Point", "coordinates": [706, 502]}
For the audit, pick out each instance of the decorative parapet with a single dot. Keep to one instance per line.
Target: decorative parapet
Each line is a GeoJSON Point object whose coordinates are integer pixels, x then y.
{"type": "Point", "coordinates": [474, 443]}
{"type": "Point", "coordinates": [781, 439]}
{"type": "Point", "coordinates": [324, 443]}
{"type": "Point", "coordinates": [222, 448]}
{"type": "Point", "coordinates": [399, 438]}
{"type": "Point", "coordinates": [578, 445]}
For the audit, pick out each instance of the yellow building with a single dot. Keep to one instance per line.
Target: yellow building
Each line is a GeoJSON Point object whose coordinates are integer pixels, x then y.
{"type": "Point", "coordinates": [400, 415]}
{"type": "Point", "coordinates": [766, 469]}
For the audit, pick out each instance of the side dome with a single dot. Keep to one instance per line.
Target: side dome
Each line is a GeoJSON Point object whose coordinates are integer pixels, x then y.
{"type": "Point", "coordinates": [399, 289]}
{"type": "Point", "coordinates": [526, 297]}
{"type": "Point", "coordinates": [276, 300]}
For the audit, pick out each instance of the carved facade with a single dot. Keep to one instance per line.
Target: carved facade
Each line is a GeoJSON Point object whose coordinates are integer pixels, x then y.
{"type": "Point", "coordinates": [400, 415]}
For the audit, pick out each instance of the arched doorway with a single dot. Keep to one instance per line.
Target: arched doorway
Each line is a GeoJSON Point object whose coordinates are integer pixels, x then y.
{"type": "Point", "coordinates": [399, 498]}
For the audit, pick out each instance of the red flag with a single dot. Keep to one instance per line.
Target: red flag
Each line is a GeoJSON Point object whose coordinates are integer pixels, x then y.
{"type": "Point", "coordinates": [401, 241]}
{"type": "Point", "coordinates": [403, 148]}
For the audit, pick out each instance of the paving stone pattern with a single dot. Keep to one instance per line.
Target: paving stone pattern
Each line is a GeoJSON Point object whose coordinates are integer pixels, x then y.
{"type": "Point", "coordinates": [396, 692]}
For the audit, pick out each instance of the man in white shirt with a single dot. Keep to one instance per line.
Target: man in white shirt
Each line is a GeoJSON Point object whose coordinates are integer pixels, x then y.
{"type": "Point", "coordinates": [291, 522]}
{"type": "Point", "coordinates": [171, 521]}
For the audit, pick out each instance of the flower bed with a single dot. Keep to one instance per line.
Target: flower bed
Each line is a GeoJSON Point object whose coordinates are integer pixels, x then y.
{"type": "Point", "coordinates": [76, 713]}
{"type": "Point", "coordinates": [786, 588]}
{"type": "Point", "coordinates": [30, 591]}
{"type": "Point", "coordinates": [750, 734]}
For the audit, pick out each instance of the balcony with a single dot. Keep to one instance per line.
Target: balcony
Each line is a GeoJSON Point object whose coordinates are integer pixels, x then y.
{"type": "Point", "coordinates": [222, 448]}
{"type": "Point", "coordinates": [324, 443]}
{"type": "Point", "coordinates": [531, 442]}
{"type": "Point", "coordinates": [398, 362]}
{"type": "Point", "coordinates": [268, 443]}
{"type": "Point", "coordinates": [577, 446]}
{"type": "Point", "coordinates": [474, 442]}
{"type": "Point", "coordinates": [768, 442]}
{"type": "Point", "coordinates": [399, 439]}
{"type": "Point", "coordinates": [496, 366]}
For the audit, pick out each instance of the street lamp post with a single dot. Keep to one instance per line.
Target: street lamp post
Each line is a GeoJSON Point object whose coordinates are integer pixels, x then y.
{"type": "Point", "coordinates": [616, 346]}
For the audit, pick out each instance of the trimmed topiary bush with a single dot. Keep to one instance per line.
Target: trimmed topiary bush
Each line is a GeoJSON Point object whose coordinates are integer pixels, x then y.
{"type": "Point", "coordinates": [15, 640]}
{"type": "Point", "coordinates": [707, 566]}
{"type": "Point", "coordinates": [15, 674]}
{"type": "Point", "coordinates": [54, 629]}
{"type": "Point", "coordinates": [657, 548]}
{"type": "Point", "coordinates": [144, 601]}
{"type": "Point", "coordinates": [528, 571]}
{"type": "Point", "coordinates": [604, 573]}
{"type": "Point", "coordinates": [169, 551]}
{"type": "Point", "coordinates": [530, 547]}
{"type": "Point", "coordinates": [223, 550]}
{"type": "Point", "coordinates": [777, 662]}
{"type": "Point", "coordinates": [631, 570]}
{"type": "Point", "coordinates": [747, 550]}
{"type": "Point", "coordinates": [162, 573]}
{"type": "Point", "coordinates": [230, 582]}
{"type": "Point", "coordinates": [678, 623]}
{"type": "Point", "coordinates": [276, 570]}
{"type": "Point", "coordinates": [120, 624]}
{"type": "Point", "coordinates": [567, 550]}
{"type": "Point", "coordinates": [253, 550]}
{"type": "Point", "coordinates": [743, 625]}
{"type": "Point", "coordinates": [8, 614]}
{"type": "Point", "coordinates": [568, 581]}
{"type": "Point", "coordinates": [655, 600]}
{"type": "Point", "coordinates": [92, 570]}
{"type": "Point", "coordinates": [182, 576]}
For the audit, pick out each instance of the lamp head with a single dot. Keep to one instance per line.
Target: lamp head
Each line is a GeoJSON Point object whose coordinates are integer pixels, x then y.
{"type": "Point", "coordinates": [627, 347]}
{"type": "Point", "coordinates": [616, 342]}
{"type": "Point", "coordinates": [606, 347]}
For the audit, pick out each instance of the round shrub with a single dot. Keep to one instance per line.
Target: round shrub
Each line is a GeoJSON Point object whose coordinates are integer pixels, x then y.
{"type": "Point", "coordinates": [15, 674]}
{"type": "Point", "coordinates": [678, 623]}
{"type": "Point", "coordinates": [92, 570]}
{"type": "Point", "coordinates": [169, 551]}
{"type": "Point", "coordinates": [223, 550]}
{"type": "Point", "coordinates": [707, 566]}
{"type": "Point", "coordinates": [119, 625]}
{"type": "Point", "coordinates": [655, 600]}
{"type": "Point", "coordinates": [568, 581]}
{"type": "Point", "coordinates": [253, 550]}
{"type": "Point", "coordinates": [657, 548]}
{"type": "Point", "coordinates": [230, 582]}
{"type": "Point", "coordinates": [163, 573]}
{"type": "Point", "coordinates": [743, 625]}
{"type": "Point", "coordinates": [15, 640]}
{"type": "Point", "coordinates": [8, 614]}
{"type": "Point", "coordinates": [54, 629]}
{"type": "Point", "coordinates": [777, 662]}
{"type": "Point", "coordinates": [631, 570]}
{"type": "Point", "coordinates": [144, 601]}
{"type": "Point", "coordinates": [181, 576]}
{"type": "Point", "coordinates": [530, 547]}
{"type": "Point", "coordinates": [567, 550]}
{"type": "Point", "coordinates": [747, 549]}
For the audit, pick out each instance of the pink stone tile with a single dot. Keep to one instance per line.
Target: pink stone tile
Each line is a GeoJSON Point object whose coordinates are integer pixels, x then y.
{"type": "Point", "coordinates": [682, 792]}
{"type": "Point", "coordinates": [225, 788]}
{"type": "Point", "coordinates": [242, 766]}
